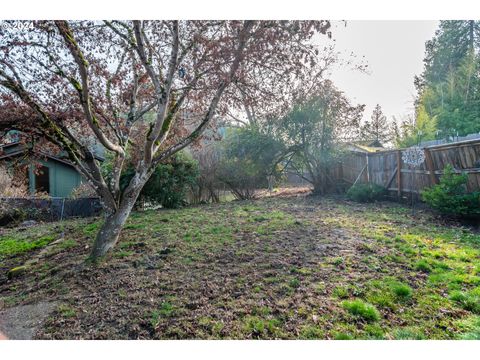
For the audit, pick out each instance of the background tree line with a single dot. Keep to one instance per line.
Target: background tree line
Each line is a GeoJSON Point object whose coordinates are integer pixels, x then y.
{"type": "Point", "coordinates": [448, 99]}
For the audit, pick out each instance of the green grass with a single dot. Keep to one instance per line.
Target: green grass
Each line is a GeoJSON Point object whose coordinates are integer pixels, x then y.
{"type": "Point", "coordinates": [66, 311]}
{"type": "Point", "coordinates": [469, 300]}
{"type": "Point", "coordinates": [359, 309]}
{"type": "Point", "coordinates": [402, 291]}
{"type": "Point", "coordinates": [91, 229]}
{"type": "Point", "coordinates": [256, 326]}
{"type": "Point", "coordinates": [123, 254]}
{"type": "Point", "coordinates": [423, 265]}
{"type": "Point", "coordinates": [259, 269]}
{"type": "Point", "coordinates": [294, 283]}
{"type": "Point", "coordinates": [341, 292]}
{"type": "Point", "coordinates": [337, 261]}
{"type": "Point", "coordinates": [166, 310]}
{"type": "Point", "coordinates": [343, 336]}
{"type": "Point", "coordinates": [470, 328]}
{"type": "Point", "coordinates": [10, 246]}
{"type": "Point", "coordinates": [374, 331]}
{"type": "Point", "coordinates": [67, 244]}
{"type": "Point", "coordinates": [408, 334]}
{"type": "Point", "coordinates": [310, 332]}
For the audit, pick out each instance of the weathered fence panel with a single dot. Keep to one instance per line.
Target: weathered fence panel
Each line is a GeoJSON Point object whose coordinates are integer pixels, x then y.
{"type": "Point", "coordinates": [386, 168]}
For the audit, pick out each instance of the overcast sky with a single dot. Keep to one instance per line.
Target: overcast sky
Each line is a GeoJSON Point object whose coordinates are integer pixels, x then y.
{"type": "Point", "coordinates": [394, 51]}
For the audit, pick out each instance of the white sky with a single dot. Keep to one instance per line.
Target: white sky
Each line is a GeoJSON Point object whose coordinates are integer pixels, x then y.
{"type": "Point", "coordinates": [394, 52]}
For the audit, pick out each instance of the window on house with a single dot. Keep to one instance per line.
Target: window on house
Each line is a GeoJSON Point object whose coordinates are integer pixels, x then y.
{"type": "Point", "coordinates": [42, 180]}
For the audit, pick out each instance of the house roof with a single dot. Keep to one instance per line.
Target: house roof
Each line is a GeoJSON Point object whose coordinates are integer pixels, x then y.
{"type": "Point", "coordinates": [21, 150]}
{"type": "Point", "coordinates": [365, 148]}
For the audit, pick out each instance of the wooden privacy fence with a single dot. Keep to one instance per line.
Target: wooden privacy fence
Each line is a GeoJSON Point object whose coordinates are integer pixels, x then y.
{"type": "Point", "coordinates": [387, 169]}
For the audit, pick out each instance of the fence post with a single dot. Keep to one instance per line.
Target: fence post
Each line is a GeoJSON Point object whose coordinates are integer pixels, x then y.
{"type": "Point", "coordinates": [399, 174]}
{"type": "Point", "coordinates": [368, 170]}
{"type": "Point", "coordinates": [430, 166]}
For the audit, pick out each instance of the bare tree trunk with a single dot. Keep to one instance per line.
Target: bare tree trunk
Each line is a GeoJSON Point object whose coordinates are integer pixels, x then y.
{"type": "Point", "coordinates": [318, 185]}
{"type": "Point", "coordinates": [109, 233]}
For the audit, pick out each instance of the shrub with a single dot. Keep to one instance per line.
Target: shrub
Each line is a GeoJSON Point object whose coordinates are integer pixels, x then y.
{"type": "Point", "coordinates": [248, 157]}
{"type": "Point", "coordinates": [13, 183]}
{"type": "Point", "coordinates": [11, 215]}
{"type": "Point", "coordinates": [207, 185]}
{"type": "Point", "coordinates": [242, 176]}
{"type": "Point", "coordinates": [366, 192]}
{"type": "Point", "coordinates": [168, 186]}
{"type": "Point", "coordinates": [84, 190]}
{"type": "Point", "coordinates": [450, 196]}
{"type": "Point", "coordinates": [361, 309]}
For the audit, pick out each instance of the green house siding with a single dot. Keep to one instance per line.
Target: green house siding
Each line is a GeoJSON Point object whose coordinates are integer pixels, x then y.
{"type": "Point", "coordinates": [63, 178]}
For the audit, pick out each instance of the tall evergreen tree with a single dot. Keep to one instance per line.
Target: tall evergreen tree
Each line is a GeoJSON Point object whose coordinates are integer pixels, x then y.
{"type": "Point", "coordinates": [452, 42]}
{"type": "Point", "coordinates": [449, 88]}
{"type": "Point", "coordinates": [378, 128]}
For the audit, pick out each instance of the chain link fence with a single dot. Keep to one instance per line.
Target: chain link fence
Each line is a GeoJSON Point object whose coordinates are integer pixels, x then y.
{"type": "Point", "coordinates": [48, 209]}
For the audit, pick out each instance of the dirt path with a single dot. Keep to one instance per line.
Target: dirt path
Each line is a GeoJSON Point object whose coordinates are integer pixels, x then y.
{"type": "Point", "coordinates": [21, 322]}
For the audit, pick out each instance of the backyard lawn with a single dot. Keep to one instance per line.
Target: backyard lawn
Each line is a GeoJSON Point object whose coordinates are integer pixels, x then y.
{"type": "Point", "coordinates": [298, 267]}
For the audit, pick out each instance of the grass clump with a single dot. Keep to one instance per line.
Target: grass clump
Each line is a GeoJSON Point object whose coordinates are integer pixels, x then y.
{"type": "Point", "coordinates": [374, 331]}
{"type": "Point", "coordinates": [166, 310]}
{"type": "Point", "coordinates": [67, 244]}
{"type": "Point", "coordinates": [66, 311]}
{"type": "Point", "coordinates": [342, 336]}
{"type": "Point", "coordinates": [91, 229]}
{"type": "Point", "coordinates": [469, 301]}
{"type": "Point", "coordinates": [341, 292]}
{"type": "Point", "coordinates": [294, 283]}
{"type": "Point", "coordinates": [408, 334]}
{"type": "Point", "coordinates": [388, 292]}
{"type": "Point", "coordinates": [309, 332]}
{"type": "Point", "coordinates": [123, 254]}
{"type": "Point", "coordinates": [362, 310]}
{"type": "Point", "coordinates": [259, 327]}
{"type": "Point", "coordinates": [337, 261]}
{"type": "Point", "coordinates": [423, 265]}
{"type": "Point", "coordinates": [401, 291]}
{"type": "Point", "coordinates": [470, 327]}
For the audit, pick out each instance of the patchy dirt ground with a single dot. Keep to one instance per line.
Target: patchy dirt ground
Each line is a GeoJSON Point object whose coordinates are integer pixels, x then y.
{"type": "Point", "coordinates": [279, 267]}
{"type": "Point", "coordinates": [22, 322]}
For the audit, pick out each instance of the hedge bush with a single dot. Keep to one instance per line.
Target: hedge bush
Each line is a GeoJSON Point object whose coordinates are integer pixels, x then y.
{"type": "Point", "coordinates": [366, 192]}
{"type": "Point", "coordinates": [450, 196]}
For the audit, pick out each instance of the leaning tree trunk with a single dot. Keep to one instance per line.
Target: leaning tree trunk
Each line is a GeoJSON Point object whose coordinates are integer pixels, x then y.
{"type": "Point", "coordinates": [109, 233]}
